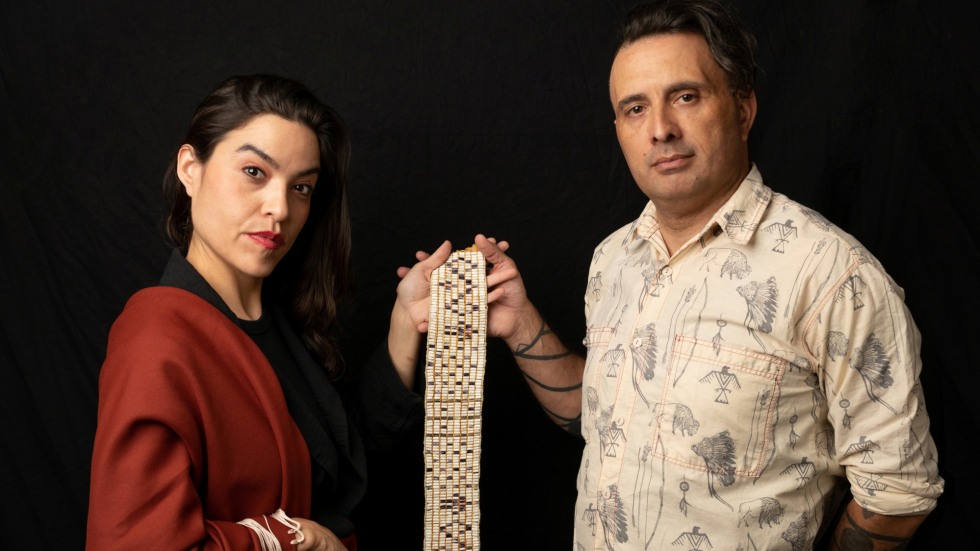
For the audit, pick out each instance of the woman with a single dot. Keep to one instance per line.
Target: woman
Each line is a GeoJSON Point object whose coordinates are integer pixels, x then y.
{"type": "Point", "coordinates": [218, 424]}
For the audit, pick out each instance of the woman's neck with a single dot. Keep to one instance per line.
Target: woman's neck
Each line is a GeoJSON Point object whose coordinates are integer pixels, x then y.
{"type": "Point", "coordinates": [242, 294]}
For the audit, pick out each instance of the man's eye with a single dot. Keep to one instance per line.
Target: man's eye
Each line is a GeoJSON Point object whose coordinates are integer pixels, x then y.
{"type": "Point", "coordinates": [635, 110]}
{"type": "Point", "coordinates": [254, 172]}
{"type": "Point", "coordinates": [687, 98]}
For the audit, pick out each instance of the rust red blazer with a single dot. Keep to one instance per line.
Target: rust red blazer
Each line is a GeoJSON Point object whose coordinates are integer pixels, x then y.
{"type": "Point", "coordinates": [193, 433]}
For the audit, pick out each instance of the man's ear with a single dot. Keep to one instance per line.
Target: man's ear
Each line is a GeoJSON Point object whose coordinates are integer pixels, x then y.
{"type": "Point", "coordinates": [746, 113]}
{"type": "Point", "coordinates": [188, 169]}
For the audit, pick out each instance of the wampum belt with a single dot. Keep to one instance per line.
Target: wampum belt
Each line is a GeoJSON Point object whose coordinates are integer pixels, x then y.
{"type": "Point", "coordinates": [455, 361]}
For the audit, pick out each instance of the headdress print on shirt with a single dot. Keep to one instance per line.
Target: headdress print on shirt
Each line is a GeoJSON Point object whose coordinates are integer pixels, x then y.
{"type": "Point", "coordinates": [871, 362]}
{"type": "Point", "coordinates": [643, 349]}
{"type": "Point", "coordinates": [760, 301]}
{"type": "Point", "coordinates": [735, 265]}
{"type": "Point", "coordinates": [612, 517]}
{"type": "Point", "coordinates": [718, 454]}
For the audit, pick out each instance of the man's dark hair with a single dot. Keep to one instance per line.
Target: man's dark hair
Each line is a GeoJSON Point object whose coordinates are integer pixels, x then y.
{"type": "Point", "coordinates": [731, 42]}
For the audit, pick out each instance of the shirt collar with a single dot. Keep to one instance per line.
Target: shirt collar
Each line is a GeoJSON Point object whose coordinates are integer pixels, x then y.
{"type": "Point", "coordinates": [741, 214]}
{"type": "Point", "coordinates": [739, 217]}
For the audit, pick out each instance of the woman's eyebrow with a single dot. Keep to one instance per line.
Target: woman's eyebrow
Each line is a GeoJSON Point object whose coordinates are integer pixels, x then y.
{"type": "Point", "coordinates": [268, 158]}
{"type": "Point", "coordinates": [265, 156]}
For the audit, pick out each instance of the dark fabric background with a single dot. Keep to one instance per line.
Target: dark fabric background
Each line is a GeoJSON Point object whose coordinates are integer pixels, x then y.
{"type": "Point", "coordinates": [467, 117]}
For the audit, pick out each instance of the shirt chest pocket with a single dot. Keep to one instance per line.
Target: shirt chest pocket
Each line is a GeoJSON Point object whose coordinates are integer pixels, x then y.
{"type": "Point", "coordinates": [718, 409]}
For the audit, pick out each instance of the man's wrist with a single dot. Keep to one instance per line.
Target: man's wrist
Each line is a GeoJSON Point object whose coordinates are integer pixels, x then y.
{"type": "Point", "coordinates": [526, 328]}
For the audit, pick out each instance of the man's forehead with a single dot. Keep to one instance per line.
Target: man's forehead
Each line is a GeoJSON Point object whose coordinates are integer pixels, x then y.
{"type": "Point", "coordinates": [662, 61]}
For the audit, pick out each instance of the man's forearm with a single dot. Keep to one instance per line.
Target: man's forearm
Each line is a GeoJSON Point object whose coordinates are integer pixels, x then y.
{"type": "Point", "coordinates": [552, 371]}
{"type": "Point", "coordinates": [859, 529]}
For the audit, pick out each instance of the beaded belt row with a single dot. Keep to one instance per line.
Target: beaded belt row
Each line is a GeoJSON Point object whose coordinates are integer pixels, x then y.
{"type": "Point", "coordinates": [455, 360]}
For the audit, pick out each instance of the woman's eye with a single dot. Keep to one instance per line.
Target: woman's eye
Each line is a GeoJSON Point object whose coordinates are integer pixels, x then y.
{"type": "Point", "coordinates": [253, 171]}
{"type": "Point", "coordinates": [304, 189]}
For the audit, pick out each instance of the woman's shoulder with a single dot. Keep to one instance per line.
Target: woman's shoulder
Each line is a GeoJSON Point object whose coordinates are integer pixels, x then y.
{"type": "Point", "coordinates": [168, 319]}
{"type": "Point", "coordinates": [163, 303]}
{"type": "Point", "coordinates": [163, 331]}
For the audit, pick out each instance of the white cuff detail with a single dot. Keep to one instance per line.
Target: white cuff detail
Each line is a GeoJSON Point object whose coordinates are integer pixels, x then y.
{"type": "Point", "coordinates": [294, 527]}
{"type": "Point", "coordinates": [267, 539]}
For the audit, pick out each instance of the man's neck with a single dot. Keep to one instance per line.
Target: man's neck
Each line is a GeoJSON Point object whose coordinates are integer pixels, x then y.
{"type": "Point", "coordinates": [680, 222]}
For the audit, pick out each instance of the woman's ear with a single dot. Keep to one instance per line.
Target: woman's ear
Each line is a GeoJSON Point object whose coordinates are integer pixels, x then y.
{"type": "Point", "coordinates": [188, 169]}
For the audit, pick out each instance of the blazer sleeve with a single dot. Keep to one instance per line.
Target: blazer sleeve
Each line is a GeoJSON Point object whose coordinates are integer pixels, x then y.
{"type": "Point", "coordinates": [151, 453]}
{"type": "Point", "coordinates": [385, 410]}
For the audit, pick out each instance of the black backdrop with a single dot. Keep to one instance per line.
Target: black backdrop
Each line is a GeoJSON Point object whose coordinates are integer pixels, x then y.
{"type": "Point", "coordinates": [466, 117]}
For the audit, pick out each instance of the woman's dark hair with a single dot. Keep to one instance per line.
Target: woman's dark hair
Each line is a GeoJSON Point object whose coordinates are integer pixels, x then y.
{"type": "Point", "coordinates": [315, 274]}
{"type": "Point", "coordinates": [732, 44]}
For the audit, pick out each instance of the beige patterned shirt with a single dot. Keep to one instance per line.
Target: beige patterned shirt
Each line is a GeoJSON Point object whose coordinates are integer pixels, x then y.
{"type": "Point", "coordinates": [733, 390]}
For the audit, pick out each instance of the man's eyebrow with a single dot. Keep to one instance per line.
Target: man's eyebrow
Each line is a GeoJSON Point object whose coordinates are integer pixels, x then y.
{"type": "Point", "coordinates": [670, 90]}
{"type": "Point", "coordinates": [628, 100]}
{"type": "Point", "coordinates": [686, 85]}
{"type": "Point", "coordinates": [265, 156]}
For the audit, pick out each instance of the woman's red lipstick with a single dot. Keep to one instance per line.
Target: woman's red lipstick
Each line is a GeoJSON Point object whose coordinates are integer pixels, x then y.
{"type": "Point", "coordinates": [269, 240]}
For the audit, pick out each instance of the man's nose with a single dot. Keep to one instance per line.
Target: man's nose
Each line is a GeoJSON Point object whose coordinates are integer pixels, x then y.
{"type": "Point", "coordinates": [662, 125]}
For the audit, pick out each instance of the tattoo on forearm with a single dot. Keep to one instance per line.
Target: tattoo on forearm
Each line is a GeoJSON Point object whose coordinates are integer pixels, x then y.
{"type": "Point", "coordinates": [566, 423]}
{"type": "Point", "coordinates": [552, 388]}
{"type": "Point", "coordinates": [523, 349]}
{"type": "Point", "coordinates": [854, 537]}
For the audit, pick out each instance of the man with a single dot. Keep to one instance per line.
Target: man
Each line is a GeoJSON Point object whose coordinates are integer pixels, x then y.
{"type": "Point", "coordinates": [751, 379]}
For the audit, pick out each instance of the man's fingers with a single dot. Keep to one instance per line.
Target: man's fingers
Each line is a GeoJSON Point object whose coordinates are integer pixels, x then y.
{"type": "Point", "coordinates": [494, 295]}
{"type": "Point", "coordinates": [431, 261]}
{"type": "Point", "coordinates": [439, 256]}
{"type": "Point", "coordinates": [500, 275]}
{"type": "Point", "coordinates": [490, 249]}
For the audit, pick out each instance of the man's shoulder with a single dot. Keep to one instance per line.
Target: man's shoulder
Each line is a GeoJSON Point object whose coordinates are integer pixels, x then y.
{"type": "Point", "coordinates": [807, 222]}
{"type": "Point", "coordinates": [789, 224]}
{"type": "Point", "coordinates": [643, 220]}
